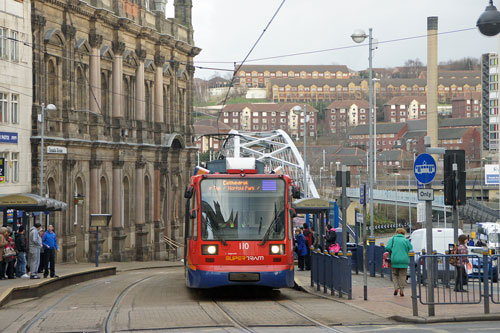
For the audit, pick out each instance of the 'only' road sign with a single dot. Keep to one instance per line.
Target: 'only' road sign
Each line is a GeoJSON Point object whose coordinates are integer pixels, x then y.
{"type": "Point", "coordinates": [424, 168]}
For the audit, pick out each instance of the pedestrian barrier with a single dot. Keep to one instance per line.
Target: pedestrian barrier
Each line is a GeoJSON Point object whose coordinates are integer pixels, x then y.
{"type": "Point", "coordinates": [476, 283]}
{"type": "Point", "coordinates": [331, 272]}
{"type": "Point", "coordinates": [375, 261]}
{"type": "Point", "coordinates": [172, 246]}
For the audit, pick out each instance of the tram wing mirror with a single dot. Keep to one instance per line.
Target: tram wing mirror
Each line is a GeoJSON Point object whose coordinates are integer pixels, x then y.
{"type": "Point", "coordinates": [192, 214]}
{"type": "Point", "coordinates": [188, 194]}
{"type": "Point", "coordinates": [293, 213]}
{"type": "Point", "coordinates": [295, 192]}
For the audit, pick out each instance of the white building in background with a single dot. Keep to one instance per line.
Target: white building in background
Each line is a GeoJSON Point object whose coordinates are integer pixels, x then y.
{"type": "Point", "coordinates": [15, 95]}
{"type": "Point", "coordinates": [489, 78]}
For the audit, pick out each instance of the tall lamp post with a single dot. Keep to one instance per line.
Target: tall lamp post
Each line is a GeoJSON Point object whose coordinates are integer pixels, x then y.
{"type": "Point", "coordinates": [50, 107]}
{"type": "Point", "coordinates": [297, 110]}
{"type": "Point", "coordinates": [375, 129]}
{"type": "Point", "coordinates": [359, 36]}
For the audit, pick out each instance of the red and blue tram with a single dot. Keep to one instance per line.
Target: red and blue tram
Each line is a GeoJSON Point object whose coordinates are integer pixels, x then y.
{"type": "Point", "coordinates": [239, 228]}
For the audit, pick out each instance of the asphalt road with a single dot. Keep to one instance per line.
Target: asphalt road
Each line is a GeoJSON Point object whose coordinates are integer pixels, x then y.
{"type": "Point", "coordinates": [157, 300]}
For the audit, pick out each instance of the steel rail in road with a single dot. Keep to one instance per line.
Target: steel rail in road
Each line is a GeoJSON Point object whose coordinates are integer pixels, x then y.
{"type": "Point", "coordinates": [231, 318]}
{"type": "Point", "coordinates": [306, 317]}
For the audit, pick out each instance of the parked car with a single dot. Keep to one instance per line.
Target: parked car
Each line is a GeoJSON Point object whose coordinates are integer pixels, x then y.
{"type": "Point", "coordinates": [477, 265]}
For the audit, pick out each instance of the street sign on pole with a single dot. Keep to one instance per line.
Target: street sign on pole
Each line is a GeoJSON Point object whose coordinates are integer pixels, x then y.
{"type": "Point", "coordinates": [425, 194]}
{"type": "Point", "coordinates": [362, 194]}
{"type": "Point", "coordinates": [424, 168]}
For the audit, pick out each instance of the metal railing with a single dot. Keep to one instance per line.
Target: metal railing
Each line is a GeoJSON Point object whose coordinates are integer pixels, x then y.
{"type": "Point", "coordinates": [331, 272]}
{"type": "Point", "coordinates": [172, 246]}
{"type": "Point", "coordinates": [436, 281]}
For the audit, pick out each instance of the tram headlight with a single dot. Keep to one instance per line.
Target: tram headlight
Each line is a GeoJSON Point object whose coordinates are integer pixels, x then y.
{"type": "Point", "coordinates": [209, 249]}
{"type": "Point", "coordinates": [276, 249]}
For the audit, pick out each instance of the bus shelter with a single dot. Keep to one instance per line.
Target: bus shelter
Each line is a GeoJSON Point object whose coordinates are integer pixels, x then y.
{"type": "Point", "coordinates": [321, 210]}
{"type": "Point", "coordinates": [16, 208]}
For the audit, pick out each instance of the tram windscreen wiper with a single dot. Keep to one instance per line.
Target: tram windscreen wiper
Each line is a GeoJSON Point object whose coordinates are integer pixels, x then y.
{"type": "Point", "coordinates": [271, 226]}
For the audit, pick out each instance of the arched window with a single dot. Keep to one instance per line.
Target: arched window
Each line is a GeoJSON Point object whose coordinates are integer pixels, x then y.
{"type": "Point", "coordinates": [80, 90]}
{"type": "Point", "coordinates": [104, 196]}
{"type": "Point", "coordinates": [52, 82]}
{"type": "Point", "coordinates": [104, 95]}
{"type": "Point", "coordinates": [147, 203]}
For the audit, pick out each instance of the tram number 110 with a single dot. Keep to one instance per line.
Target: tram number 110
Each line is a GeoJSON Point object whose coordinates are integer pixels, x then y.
{"type": "Point", "coordinates": [244, 246]}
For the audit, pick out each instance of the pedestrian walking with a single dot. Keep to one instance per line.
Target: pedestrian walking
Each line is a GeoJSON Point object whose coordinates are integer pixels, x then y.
{"type": "Point", "coordinates": [35, 244]}
{"type": "Point", "coordinates": [49, 242]}
{"type": "Point", "coordinates": [316, 244]}
{"type": "Point", "coordinates": [309, 236]}
{"type": "Point", "coordinates": [300, 248]}
{"type": "Point", "coordinates": [21, 253]}
{"type": "Point", "coordinates": [459, 262]}
{"type": "Point", "coordinates": [3, 244]}
{"type": "Point", "coordinates": [399, 247]}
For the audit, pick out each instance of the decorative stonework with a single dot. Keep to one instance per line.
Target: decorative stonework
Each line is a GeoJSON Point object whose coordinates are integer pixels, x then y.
{"type": "Point", "coordinates": [141, 54]}
{"type": "Point", "coordinates": [118, 47]}
{"type": "Point", "coordinates": [140, 164]}
{"type": "Point", "coordinates": [95, 164]}
{"type": "Point", "coordinates": [159, 60]}
{"type": "Point", "coordinates": [118, 164]}
{"type": "Point", "coordinates": [38, 21]}
{"type": "Point", "coordinates": [95, 40]}
{"type": "Point", "coordinates": [68, 31]}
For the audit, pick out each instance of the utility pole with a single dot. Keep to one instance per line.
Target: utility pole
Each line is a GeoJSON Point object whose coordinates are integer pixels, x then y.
{"type": "Point", "coordinates": [344, 210]}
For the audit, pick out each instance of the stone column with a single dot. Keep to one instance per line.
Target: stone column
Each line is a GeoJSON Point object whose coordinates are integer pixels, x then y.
{"type": "Point", "coordinates": [141, 230]}
{"type": "Point", "coordinates": [118, 230]}
{"type": "Point", "coordinates": [95, 72]}
{"type": "Point", "coordinates": [94, 186]}
{"type": "Point", "coordinates": [159, 62]}
{"type": "Point", "coordinates": [118, 48]}
{"type": "Point", "coordinates": [159, 227]}
{"type": "Point", "coordinates": [140, 94]}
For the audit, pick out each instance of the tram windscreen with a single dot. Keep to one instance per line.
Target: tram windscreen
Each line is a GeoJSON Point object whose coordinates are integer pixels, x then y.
{"type": "Point", "coordinates": [243, 209]}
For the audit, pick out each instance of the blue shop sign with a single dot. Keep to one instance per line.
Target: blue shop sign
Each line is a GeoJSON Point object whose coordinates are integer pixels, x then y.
{"type": "Point", "coordinates": [8, 137]}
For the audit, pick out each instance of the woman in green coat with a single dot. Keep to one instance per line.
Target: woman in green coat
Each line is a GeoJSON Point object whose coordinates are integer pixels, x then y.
{"type": "Point", "coordinates": [399, 247]}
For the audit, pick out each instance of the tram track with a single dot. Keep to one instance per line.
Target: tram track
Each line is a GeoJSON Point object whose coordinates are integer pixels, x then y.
{"type": "Point", "coordinates": [107, 327]}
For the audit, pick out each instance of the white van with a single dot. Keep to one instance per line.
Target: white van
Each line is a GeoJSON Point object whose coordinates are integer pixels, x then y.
{"type": "Point", "coordinates": [441, 238]}
{"type": "Point", "coordinates": [489, 233]}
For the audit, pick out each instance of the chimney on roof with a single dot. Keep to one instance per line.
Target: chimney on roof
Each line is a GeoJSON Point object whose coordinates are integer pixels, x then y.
{"type": "Point", "coordinates": [432, 79]}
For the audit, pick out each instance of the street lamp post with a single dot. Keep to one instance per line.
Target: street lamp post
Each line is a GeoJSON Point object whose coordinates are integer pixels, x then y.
{"type": "Point", "coordinates": [359, 36]}
{"type": "Point", "coordinates": [409, 203]}
{"type": "Point", "coordinates": [375, 130]}
{"type": "Point", "coordinates": [50, 107]}
{"type": "Point", "coordinates": [297, 110]}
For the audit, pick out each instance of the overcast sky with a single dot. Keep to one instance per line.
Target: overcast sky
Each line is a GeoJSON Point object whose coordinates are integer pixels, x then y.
{"type": "Point", "coordinates": [227, 29]}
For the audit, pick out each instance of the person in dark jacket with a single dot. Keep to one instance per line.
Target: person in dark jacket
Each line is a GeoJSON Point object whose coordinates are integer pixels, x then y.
{"type": "Point", "coordinates": [309, 237]}
{"type": "Point", "coordinates": [301, 248]}
{"type": "Point", "coordinates": [11, 261]}
{"type": "Point", "coordinates": [330, 237]}
{"type": "Point", "coordinates": [21, 253]}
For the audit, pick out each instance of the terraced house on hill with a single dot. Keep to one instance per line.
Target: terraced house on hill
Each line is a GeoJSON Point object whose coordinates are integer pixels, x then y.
{"type": "Point", "coordinates": [270, 116]}
{"type": "Point", "coordinates": [322, 90]}
{"type": "Point", "coordinates": [120, 76]}
{"type": "Point", "coordinates": [258, 76]}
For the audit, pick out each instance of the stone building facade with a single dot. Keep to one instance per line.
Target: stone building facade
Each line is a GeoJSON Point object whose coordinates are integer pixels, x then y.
{"type": "Point", "coordinates": [121, 76]}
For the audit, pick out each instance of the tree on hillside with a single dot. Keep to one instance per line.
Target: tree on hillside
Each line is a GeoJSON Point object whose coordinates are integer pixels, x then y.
{"type": "Point", "coordinates": [464, 64]}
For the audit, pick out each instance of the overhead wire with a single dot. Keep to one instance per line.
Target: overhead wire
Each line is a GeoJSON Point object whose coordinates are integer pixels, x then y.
{"type": "Point", "coordinates": [246, 57]}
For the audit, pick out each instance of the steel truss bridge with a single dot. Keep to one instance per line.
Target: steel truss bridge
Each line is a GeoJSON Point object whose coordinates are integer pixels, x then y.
{"type": "Point", "coordinates": [275, 149]}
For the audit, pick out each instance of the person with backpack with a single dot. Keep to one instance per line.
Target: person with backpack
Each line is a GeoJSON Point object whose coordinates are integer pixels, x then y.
{"type": "Point", "coordinates": [309, 236]}
{"type": "Point", "coordinates": [399, 247]}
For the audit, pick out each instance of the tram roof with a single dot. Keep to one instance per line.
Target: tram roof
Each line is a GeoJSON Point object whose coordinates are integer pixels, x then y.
{"type": "Point", "coordinates": [30, 202]}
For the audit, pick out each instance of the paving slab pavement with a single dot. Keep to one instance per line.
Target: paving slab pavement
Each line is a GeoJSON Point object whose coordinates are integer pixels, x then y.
{"type": "Point", "coordinates": [383, 303]}
{"type": "Point", "coordinates": [67, 271]}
